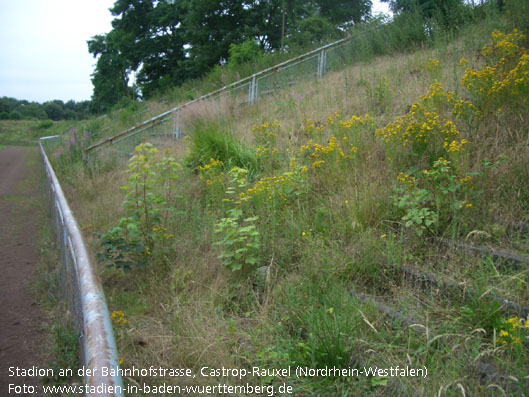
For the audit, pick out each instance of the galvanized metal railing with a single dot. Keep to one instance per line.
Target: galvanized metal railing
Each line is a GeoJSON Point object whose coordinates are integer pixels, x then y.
{"type": "Point", "coordinates": [87, 305]}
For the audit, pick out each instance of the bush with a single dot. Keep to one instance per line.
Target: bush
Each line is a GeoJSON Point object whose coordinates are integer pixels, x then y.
{"type": "Point", "coordinates": [15, 115]}
{"type": "Point", "coordinates": [45, 124]}
{"type": "Point", "coordinates": [245, 52]}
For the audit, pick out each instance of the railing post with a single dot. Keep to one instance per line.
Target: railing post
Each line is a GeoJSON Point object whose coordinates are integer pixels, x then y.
{"type": "Point", "coordinates": [321, 63]}
{"type": "Point", "coordinates": [176, 125]}
{"type": "Point", "coordinates": [253, 90]}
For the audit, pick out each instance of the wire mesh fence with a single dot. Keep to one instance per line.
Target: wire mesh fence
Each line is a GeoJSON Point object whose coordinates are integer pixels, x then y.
{"type": "Point", "coordinates": [288, 76]}
{"type": "Point", "coordinates": [122, 147]}
{"type": "Point", "coordinates": [83, 293]}
{"type": "Point", "coordinates": [250, 90]}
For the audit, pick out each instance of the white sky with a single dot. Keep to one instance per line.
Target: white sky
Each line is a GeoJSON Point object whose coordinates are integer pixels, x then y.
{"type": "Point", "coordinates": [43, 50]}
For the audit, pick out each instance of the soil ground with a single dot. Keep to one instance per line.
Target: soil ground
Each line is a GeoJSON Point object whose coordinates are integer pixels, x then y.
{"type": "Point", "coordinates": [22, 213]}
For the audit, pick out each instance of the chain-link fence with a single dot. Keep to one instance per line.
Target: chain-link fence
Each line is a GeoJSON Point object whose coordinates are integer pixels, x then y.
{"type": "Point", "coordinates": [122, 146]}
{"type": "Point", "coordinates": [311, 65]}
{"type": "Point", "coordinates": [82, 290]}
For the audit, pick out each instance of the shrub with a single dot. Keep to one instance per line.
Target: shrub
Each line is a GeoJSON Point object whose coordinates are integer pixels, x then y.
{"type": "Point", "coordinates": [242, 53]}
{"type": "Point", "coordinates": [45, 124]}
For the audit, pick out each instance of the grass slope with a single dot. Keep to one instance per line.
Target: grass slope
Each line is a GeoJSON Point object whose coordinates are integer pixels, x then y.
{"type": "Point", "coordinates": [335, 211]}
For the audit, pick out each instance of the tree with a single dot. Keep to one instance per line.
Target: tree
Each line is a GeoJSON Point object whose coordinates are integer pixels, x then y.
{"type": "Point", "coordinates": [169, 41]}
{"type": "Point", "coordinates": [344, 12]}
{"type": "Point", "coordinates": [243, 53]}
{"type": "Point", "coordinates": [448, 13]}
{"type": "Point", "coordinates": [53, 110]}
{"type": "Point", "coordinates": [210, 27]}
{"type": "Point", "coordinates": [312, 30]}
{"type": "Point", "coordinates": [110, 76]}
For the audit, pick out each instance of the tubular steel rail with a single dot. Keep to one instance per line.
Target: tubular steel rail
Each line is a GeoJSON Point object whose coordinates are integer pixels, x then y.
{"type": "Point", "coordinates": [253, 92]}
{"type": "Point", "coordinates": [83, 290]}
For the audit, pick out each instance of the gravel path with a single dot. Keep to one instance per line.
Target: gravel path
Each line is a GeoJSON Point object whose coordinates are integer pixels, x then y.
{"type": "Point", "coordinates": [22, 209]}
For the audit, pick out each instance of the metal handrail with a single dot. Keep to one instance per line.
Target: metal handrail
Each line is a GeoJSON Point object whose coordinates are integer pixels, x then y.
{"type": "Point", "coordinates": [98, 343]}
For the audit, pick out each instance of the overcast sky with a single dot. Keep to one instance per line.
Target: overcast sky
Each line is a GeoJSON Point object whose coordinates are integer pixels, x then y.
{"type": "Point", "coordinates": [43, 51]}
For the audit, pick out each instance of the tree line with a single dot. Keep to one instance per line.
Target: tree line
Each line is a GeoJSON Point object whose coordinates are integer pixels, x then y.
{"type": "Point", "coordinates": [15, 109]}
{"type": "Point", "coordinates": [168, 42]}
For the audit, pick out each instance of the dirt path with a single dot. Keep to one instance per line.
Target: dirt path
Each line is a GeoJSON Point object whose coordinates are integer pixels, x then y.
{"type": "Point", "coordinates": [22, 204]}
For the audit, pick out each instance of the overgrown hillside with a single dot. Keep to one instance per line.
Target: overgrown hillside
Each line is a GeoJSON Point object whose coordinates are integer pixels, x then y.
{"type": "Point", "coordinates": [329, 227]}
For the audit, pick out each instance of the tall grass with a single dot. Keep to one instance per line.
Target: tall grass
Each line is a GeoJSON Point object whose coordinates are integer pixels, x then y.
{"type": "Point", "coordinates": [328, 225]}
{"type": "Point", "coordinates": [211, 141]}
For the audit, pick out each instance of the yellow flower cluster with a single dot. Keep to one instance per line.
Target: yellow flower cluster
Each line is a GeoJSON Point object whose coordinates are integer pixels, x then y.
{"type": "Point", "coordinates": [505, 77]}
{"type": "Point", "coordinates": [277, 186]}
{"type": "Point", "coordinates": [265, 136]}
{"type": "Point", "coordinates": [465, 204]}
{"type": "Point", "coordinates": [333, 117]}
{"type": "Point", "coordinates": [407, 179]}
{"type": "Point", "coordinates": [119, 318]}
{"type": "Point", "coordinates": [318, 153]}
{"type": "Point", "coordinates": [455, 146]}
{"type": "Point", "coordinates": [162, 231]}
{"type": "Point", "coordinates": [212, 164]}
{"type": "Point", "coordinates": [512, 331]}
{"type": "Point", "coordinates": [211, 172]}
{"type": "Point", "coordinates": [356, 121]}
{"type": "Point", "coordinates": [296, 167]}
{"type": "Point", "coordinates": [311, 126]}
{"type": "Point", "coordinates": [437, 97]}
{"type": "Point", "coordinates": [432, 65]}
{"type": "Point", "coordinates": [465, 180]}
{"type": "Point", "coordinates": [267, 131]}
{"type": "Point", "coordinates": [421, 126]}
{"type": "Point", "coordinates": [264, 151]}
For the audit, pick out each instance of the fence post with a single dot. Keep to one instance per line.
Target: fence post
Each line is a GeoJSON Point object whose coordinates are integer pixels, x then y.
{"type": "Point", "coordinates": [321, 63]}
{"type": "Point", "coordinates": [253, 90]}
{"type": "Point", "coordinates": [176, 125]}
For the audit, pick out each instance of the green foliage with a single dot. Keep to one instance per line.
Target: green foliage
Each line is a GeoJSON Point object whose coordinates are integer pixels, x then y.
{"type": "Point", "coordinates": [447, 13]}
{"type": "Point", "coordinates": [70, 149]}
{"type": "Point", "coordinates": [435, 198]}
{"type": "Point", "coordinates": [122, 246]}
{"type": "Point", "coordinates": [313, 30]}
{"type": "Point", "coordinates": [65, 352]}
{"type": "Point", "coordinates": [179, 51]}
{"type": "Point", "coordinates": [148, 204]}
{"type": "Point", "coordinates": [239, 241]}
{"type": "Point", "coordinates": [209, 141]}
{"type": "Point", "coordinates": [110, 76]}
{"type": "Point", "coordinates": [417, 213]}
{"type": "Point", "coordinates": [319, 317]}
{"type": "Point", "coordinates": [53, 110]}
{"type": "Point", "coordinates": [45, 124]}
{"type": "Point", "coordinates": [516, 11]}
{"type": "Point", "coordinates": [15, 109]}
{"type": "Point", "coordinates": [243, 53]}
{"type": "Point", "coordinates": [15, 115]}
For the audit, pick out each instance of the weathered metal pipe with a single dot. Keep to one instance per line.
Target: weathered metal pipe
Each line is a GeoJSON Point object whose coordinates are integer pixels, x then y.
{"type": "Point", "coordinates": [98, 338]}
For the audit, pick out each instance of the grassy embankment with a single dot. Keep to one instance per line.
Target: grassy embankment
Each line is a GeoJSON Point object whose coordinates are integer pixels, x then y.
{"type": "Point", "coordinates": [315, 195]}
